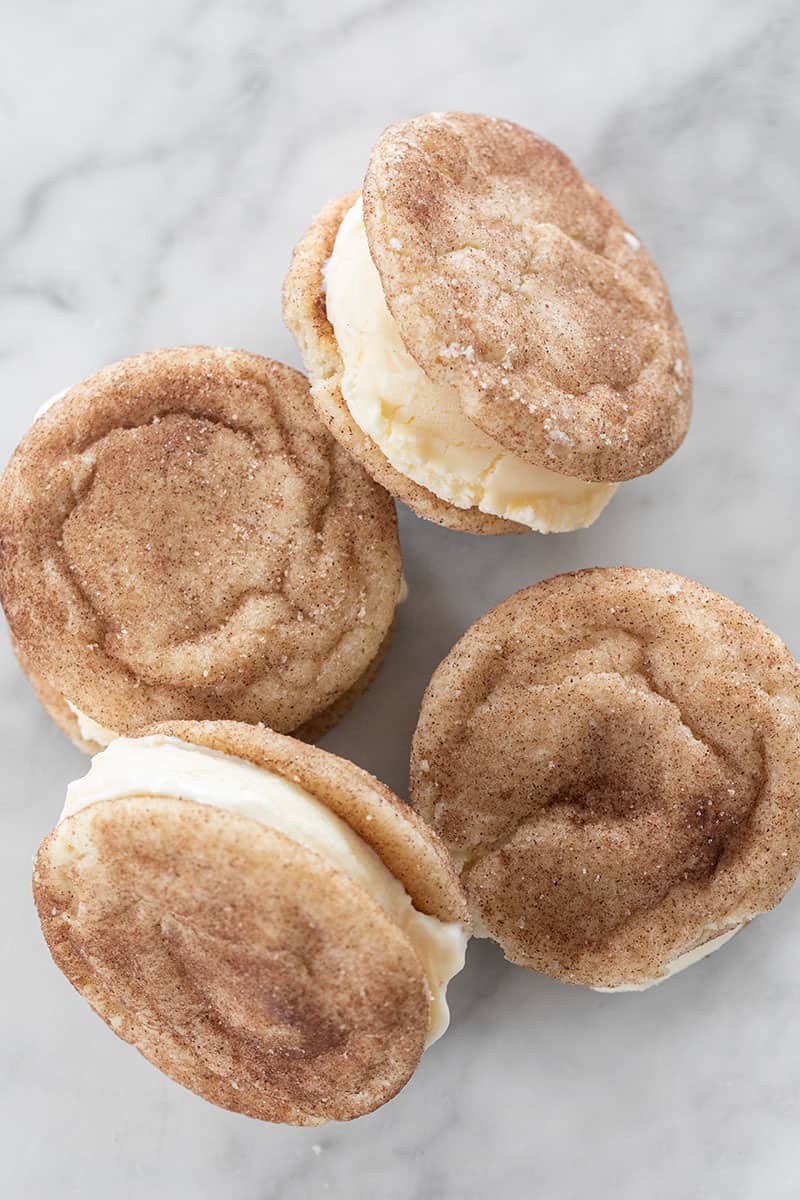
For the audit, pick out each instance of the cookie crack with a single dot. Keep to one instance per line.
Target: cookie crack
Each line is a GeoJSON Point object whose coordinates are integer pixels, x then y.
{"type": "Point", "coordinates": [104, 631]}
{"type": "Point", "coordinates": [489, 361]}
{"type": "Point", "coordinates": [644, 673]}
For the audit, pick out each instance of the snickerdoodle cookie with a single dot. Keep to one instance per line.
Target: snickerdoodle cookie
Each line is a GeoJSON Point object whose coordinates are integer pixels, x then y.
{"type": "Point", "coordinates": [265, 922]}
{"type": "Point", "coordinates": [483, 331]}
{"type": "Point", "coordinates": [613, 759]}
{"type": "Point", "coordinates": [183, 539]}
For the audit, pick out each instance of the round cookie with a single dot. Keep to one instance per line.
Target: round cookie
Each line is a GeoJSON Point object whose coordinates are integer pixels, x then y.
{"type": "Point", "coordinates": [182, 538]}
{"type": "Point", "coordinates": [613, 759]}
{"type": "Point", "coordinates": [486, 236]}
{"type": "Point", "coordinates": [236, 958]}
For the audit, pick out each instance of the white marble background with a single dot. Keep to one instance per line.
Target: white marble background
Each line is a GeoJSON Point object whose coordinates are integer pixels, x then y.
{"type": "Point", "coordinates": [159, 159]}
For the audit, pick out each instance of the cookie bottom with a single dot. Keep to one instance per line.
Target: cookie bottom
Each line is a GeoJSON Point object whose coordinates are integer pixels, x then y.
{"type": "Point", "coordinates": [310, 731]}
{"type": "Point", "coordinates": [316, 727]}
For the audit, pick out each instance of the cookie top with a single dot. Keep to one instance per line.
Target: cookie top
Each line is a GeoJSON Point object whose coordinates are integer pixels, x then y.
{"type": "Point", "coordinates": [236, 960]}
{"type": "Point", "coordinates": [182, 538]}
{"type": "Point", "coordinates": [614, 758]}
{"type": "Point", "coordinates": [514, 281]}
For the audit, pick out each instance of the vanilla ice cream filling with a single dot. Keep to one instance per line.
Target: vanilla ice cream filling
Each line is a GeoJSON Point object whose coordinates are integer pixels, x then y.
{"type": "Point", "coordinates": [91, 730]}
{"type": "Point", "coordinates": [164, 766]}
{"type": "Point", "coordinates": [418, 425]}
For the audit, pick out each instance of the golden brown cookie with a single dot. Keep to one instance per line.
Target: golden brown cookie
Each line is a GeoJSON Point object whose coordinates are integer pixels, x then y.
{"type": "Point", "coordinates": [181, 538]}
{"type": "Point", "coordinates": [613, 759]}
{"type": "Point", "coordinates": [517, 289]}
{"type": "Point", "coordinates": [508, 248]}
{"type": "Point", "coordinates": [265, 922]}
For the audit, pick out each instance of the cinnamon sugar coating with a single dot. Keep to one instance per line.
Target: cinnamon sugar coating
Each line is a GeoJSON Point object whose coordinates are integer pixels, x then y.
{"type": "Point", "coordinates": [614, 757]}
{"type": "Point", "coordinates": [514, 281]}
{"type": "Point", "coordinates": [237, 961]}
{"type": "Point", "coordinates": [182, 538]}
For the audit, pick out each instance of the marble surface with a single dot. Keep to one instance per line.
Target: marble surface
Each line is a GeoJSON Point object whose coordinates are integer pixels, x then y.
{"type": "Point", "coordinates": [160, 160]}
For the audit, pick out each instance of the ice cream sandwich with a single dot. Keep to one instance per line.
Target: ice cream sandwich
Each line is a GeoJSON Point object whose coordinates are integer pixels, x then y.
{"type": "Point", "coordinates": [267, 924]}
{"type": "Point", "coordinates": [613, 759]}
{"type": "Point", "coordinates": [483, 331]}
{"type": "Point", "coordinates": [181, 538]}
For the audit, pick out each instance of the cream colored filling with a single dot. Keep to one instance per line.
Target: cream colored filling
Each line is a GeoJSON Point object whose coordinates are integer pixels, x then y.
{"type": "Point", "coordinates": [162, 766]}
{"type": "Point", "coordinates": [91, 730]}
{"type": "Point", "coordinates": [419, 425]}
